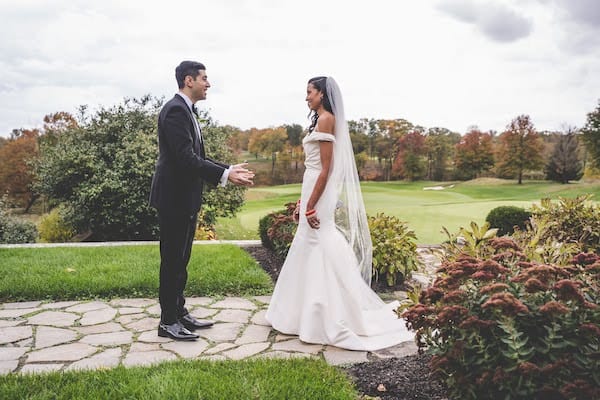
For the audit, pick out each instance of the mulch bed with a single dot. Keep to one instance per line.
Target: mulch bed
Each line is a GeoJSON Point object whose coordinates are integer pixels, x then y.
{"type": "Point", "coordinates": [386, 379]}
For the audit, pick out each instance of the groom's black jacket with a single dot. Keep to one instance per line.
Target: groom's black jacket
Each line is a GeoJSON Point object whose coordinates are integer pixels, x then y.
{"type": "Point", "coordinates": [182, 166]}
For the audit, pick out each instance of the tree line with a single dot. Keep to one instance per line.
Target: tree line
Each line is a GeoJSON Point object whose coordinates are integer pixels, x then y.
{"type": "Point", "coordinates": [98, 166]}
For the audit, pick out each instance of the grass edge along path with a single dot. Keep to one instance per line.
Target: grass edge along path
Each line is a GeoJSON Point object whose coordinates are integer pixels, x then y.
{"type": "Point", "coordinates": [301, 378]}
{"type": "Point", "coordinates": [79, 273]}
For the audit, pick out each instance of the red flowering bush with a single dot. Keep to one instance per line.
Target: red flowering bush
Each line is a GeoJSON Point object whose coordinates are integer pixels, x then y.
{"type": "Point", "coordinates": [501, 326]}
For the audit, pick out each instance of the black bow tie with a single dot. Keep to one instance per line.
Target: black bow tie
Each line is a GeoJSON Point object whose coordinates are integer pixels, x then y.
{"type": "Point", "coordinates": [195, 109]}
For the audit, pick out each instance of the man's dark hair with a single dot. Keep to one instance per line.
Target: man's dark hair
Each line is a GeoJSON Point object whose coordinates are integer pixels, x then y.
{"type": "Point", "coordinates": [186, 68]}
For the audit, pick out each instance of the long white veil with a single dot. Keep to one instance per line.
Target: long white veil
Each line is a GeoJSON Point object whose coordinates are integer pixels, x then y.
{"type": "Point", "coordinates": [350, 215]}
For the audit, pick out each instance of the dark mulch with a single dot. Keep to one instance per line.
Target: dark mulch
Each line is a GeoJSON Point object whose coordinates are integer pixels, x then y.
{"type": "Point", "coordinates": [405, 378]}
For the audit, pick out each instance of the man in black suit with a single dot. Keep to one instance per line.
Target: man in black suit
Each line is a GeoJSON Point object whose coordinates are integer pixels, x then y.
{"type": "Point", "coordinates": [181, 170]}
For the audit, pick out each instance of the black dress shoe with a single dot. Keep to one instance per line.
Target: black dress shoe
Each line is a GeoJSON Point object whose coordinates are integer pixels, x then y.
{"type": "Point", "coordinates": [192, 323]}
{"type": "Point", "coordinates": [175, 331]}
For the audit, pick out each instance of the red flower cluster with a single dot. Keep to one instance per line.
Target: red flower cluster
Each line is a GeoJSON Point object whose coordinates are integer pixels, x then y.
{"type": "Point", "coordinates": [494, 287]}
{"type": "Point", "coordinates": [451, 315]}
{"type": "Point", "coordinates": [591, 329]}
{"type": "Point", "coordinates": [554, 308]}
{"type": "Point", "coordinates": [508, 303]}
{"type": "Point", "coordinates": [533, 285]}
{"type": "Point", "coordinates": [568, 290]}
{"type": "Point", "coordinates": [499, 243]}
{"type": "Point", "coordinates": [475, 323]}
{"type": "Point", "coordinates": [585, 259]}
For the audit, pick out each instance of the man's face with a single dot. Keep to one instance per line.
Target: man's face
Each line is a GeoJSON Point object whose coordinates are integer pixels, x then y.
{"type": "Point", "coordinates": [199, 86]}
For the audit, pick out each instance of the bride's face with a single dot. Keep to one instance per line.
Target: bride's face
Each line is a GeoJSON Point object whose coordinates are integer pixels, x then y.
{"type": "Point", "coordinates": [313, 97]}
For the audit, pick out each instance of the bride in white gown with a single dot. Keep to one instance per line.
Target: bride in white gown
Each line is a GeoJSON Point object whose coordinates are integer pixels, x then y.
{"type": "Point", "coordinates": [323, 292]}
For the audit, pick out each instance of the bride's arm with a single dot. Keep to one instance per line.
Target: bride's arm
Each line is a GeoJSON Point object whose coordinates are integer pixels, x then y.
{"type": "Point", "coordinates": [326, 124]}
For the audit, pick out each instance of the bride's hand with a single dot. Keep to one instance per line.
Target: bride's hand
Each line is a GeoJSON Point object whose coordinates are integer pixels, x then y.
{"type": "Point", "coordinates": [313, 220]}
{"type": "Point", "coordinates": [296, 214]}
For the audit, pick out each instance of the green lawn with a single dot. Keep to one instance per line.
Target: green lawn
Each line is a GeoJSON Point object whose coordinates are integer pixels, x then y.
{"type": "Point", "coordinates": [199, 380]}
{"type": "Point", "coordinates": [425, 211]}
{"type": "Point", "coordinates": [64, 273]}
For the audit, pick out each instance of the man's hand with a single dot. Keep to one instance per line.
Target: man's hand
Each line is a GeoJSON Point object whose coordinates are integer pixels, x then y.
{"type": "Point", "coordinates": [240, 175]}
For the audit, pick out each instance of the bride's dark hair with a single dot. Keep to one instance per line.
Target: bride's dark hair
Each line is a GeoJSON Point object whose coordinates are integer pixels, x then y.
{"type": "Point", "coordinates": [320, 83]}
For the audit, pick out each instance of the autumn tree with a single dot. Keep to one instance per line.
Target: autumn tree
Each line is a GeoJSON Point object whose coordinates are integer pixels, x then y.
{"type": "Point", "coordinates": [474, 154]}
{"type": "Point", "coordinates": [565, 164]}
{"type": "Point", "coordinates": [440, 144]}
{"type": "Point", "coordinates": [410, 160]}
{"type": "Point", "coordinates": [591, 136]}
{"type": "Point", "coordinates": [16, 166]}
{"type": "Point", "coordinates": [520, 148]}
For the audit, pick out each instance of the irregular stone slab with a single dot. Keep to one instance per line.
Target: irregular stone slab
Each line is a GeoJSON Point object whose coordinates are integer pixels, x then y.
{"type": "Point", "coordinates": [282, 355]}
{"type": "Point", "coordinates": [246, 350]}
{"type": "Point", "coordinates": [5, 323]}
{"type": "Point", "coordinates": [263, 299]}
{"type": "Point", "coordinates": [152, 337]}
{"type": "Point", "coordinates": [400, 350]}
{"type": "Point", "coordinates": [216, 357]}
{"type": "Point", "coordinates": [19, 312]}
{"type": "Point", "coordinates": [337, 356]}
{"type": "Point", "coordinates": [297, 346]}
{"type": "Point", "coordinates": [281, 337]}
{"type": "Point", "coordinates": [235, 302]}
{"type": "Point", "coordinates": [46, 336]}
{"type": "Point", "coordinates": [138, 303]}
{"type": "Point", "coordinates": [14, 334]}
{"type": "Point", "coordinates": [144, 347]}
{"type": "Point", "coordinates": [187, 349]}
{"type": "Point", "coordinates": [126, 319]}
{"type": "Point", "coordinates": [222, 332]}
{"type": "Point", "coordinates": [25, 342]}
{"type": "Point", "coordinates": [86, 307]}
{"type": "Point", "coordinates": [24, 304]}
{"type": "Point", "coordinates": [37, 368]}
{"type": "Point", "coordinates": [219, 348]}
{"type": "Point", "coordinates": [129, 310]}
{"type": "Point", "coordinates": [154, 310]}
{"type": "Point", "coordinates": [240, 316]}
{"type": "Point", "coordinates": [259, 318]}
{"type": "Point", "coordinates": [100, 328]}
{"type": "Point", "coordinates": [12, 353]}
{"type": "Point", "coordinates": [53, 318]}
{"type": "Point", "coordinates": [144, 324]}
{"type": "Point", "coordinates": [107, 359]}
{"type": "Point", "coordinates": [59, 304]}
{"type": "Point", "coordinates": [108, 339]}
{"type": "Point", "coordinates": [98, 316]}
{"type": "Point", "coordinates": [202, 312]}
{"type": "Point", "coordinates": [147, 357]}
{"type": "Point", "coordinates": [254, 334]}
{"type": "Point", "coordinates": [65, 352]}
{"type": "Point", "coordinates": [198, 301]}
{"type": "Point", "coordinates": [8, 366]}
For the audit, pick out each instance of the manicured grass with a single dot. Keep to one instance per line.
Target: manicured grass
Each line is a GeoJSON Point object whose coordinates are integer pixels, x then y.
{"type": "Point", "coordinates": [206, 380]}
{"type": "Point", "coordinates": [425, 211]}
{"type": "Point", "coordinates": [64, 273]}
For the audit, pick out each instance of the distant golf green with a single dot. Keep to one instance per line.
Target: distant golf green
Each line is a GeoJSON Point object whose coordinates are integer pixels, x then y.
{"type": "Point", "coordinates": [425, 206]}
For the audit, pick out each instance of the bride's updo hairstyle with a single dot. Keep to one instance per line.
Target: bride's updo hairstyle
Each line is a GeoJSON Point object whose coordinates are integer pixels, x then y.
{"type": "Point", "coordinates": [319, 83]}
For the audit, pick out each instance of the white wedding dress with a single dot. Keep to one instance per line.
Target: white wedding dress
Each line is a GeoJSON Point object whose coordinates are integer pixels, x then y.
{"type": "Point", "coordinates": [320, 294]}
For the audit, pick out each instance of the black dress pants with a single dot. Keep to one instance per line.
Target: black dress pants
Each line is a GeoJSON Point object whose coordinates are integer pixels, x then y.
{"type": "Point", "coordinates": [176, 238]}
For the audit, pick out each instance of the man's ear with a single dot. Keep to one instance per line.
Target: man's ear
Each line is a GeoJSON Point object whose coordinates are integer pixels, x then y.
{"type": "Point", "coordinates": [188, 80]}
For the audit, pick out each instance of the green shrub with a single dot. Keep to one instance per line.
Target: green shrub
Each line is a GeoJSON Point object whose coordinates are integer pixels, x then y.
{"type": "Point", "coordinates": [575, 220]}
{"type": "Point", "coordinates": [505, 218]}
{"type": "Point", "coordinates": [277, 230]}
{"type": "Point", "coordinates": [394, 249]}
{"type": "Point", "coordinates": [14, 230]}
{"type": "Point", "coordinates": [54, 228]}
{"type": "Point", "coordinates": [501, 326]}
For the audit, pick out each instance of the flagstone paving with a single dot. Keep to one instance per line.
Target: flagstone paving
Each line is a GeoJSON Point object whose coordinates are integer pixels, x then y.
{"type": "Point", "coordinates": [37, 336]}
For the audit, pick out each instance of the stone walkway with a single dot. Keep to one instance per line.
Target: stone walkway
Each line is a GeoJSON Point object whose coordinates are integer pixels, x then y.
{"type": "Point", "coordinates": [72, 335]}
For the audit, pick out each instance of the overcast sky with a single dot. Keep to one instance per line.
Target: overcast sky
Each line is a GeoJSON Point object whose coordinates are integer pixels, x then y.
{"type": "Point", "coordinates": [437, 63]}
